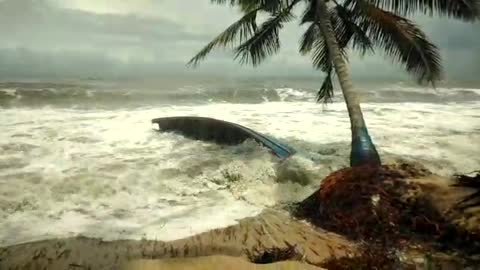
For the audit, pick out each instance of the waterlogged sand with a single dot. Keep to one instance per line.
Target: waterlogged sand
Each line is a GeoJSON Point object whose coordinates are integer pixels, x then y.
{"type": "Point", "coordinates": [214, 263]}
{"type": "Point", "coordinates": [223, 247]}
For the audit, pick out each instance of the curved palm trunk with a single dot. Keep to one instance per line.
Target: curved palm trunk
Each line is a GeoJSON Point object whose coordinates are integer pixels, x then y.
{"type": "Point", "coordinates": [363, 151]}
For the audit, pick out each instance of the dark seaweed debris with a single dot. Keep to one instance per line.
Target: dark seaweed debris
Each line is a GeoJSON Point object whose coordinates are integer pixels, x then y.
{"type": "Point", "coordinates": [364, 203]}
{"type": "Point", "coordinates": [373, 204]}
{"type": "Point", "coordinates": [369, 257]}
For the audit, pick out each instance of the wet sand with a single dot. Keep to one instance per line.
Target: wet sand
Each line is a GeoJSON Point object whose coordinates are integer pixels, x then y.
{"type": "Point", "coordinates": [271, 228]}
{"type": "Point", "coordinates": [214, 263]}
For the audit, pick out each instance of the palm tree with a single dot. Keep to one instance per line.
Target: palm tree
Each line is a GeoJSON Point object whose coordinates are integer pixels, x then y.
{"type": "Point", "coordinates": [363, 25]}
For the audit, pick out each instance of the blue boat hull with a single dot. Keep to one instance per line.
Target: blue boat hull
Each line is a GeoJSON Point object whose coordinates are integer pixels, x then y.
{"type": "Point", "coordinates": [221, 132]}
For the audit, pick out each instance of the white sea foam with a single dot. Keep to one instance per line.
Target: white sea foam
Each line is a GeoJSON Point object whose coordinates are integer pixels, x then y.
{"type": "Point", "coordinates": [287, 94]}
{"type": "Point", "coordinates": [106, 173]}
{"type": "Point", "coordinates": [9, 91]}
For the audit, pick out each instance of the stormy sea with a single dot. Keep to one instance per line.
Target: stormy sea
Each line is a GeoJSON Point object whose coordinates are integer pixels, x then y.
{"type": "Point", "coordinates": [82, 158]}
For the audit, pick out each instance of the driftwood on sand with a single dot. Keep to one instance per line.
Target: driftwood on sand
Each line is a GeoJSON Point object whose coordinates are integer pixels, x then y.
{"type": "Point", "coordinates": [250, 237]}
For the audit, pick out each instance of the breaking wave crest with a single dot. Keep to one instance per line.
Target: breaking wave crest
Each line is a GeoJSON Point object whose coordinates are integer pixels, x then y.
{"type": "Point", "coordinates": [88, 96]}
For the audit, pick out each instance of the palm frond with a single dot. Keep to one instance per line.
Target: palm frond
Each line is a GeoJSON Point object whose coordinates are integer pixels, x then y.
{"type": "Point", "coordinates": [321, 56]}
{"type": "Point", "coordinates": [346, 29]}
{"type": "Point", "coordinates": [309, 13]}
{"type": "Point", "coordinates": [402, 40]}
{"type": "Point", "coordinates": [308, 39]}
{"type": "Point", "coordinates": [348, 32]}
{"type": "Point", "coordinates": [325, 93]}
{"type": "Point", "coordinates": [248, 5]}
{"type": "Point", "coordinates": [266, 40]}
{"type": "Point", "coordinates": [240, 30]}
{"type": "Point", "coordinates": [276, 6]}
{"type": "Point", "coordinates": [270, 6]}
{"type": "Point", "coordinates": [467, 10]}
{"type": "Point", "coordinates": [313, 42]}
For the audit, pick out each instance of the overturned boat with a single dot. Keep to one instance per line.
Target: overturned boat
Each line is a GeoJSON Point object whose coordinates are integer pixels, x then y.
{"type": "Point", "coordinates": [220, 132]}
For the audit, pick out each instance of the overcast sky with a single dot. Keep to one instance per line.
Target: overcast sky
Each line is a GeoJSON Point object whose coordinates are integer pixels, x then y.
{"type": "Point", "coordinates": [137, 38]}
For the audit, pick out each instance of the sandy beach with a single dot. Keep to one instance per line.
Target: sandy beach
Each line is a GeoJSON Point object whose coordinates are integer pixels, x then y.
{"type": "Point", "coordinates": [254, 241]}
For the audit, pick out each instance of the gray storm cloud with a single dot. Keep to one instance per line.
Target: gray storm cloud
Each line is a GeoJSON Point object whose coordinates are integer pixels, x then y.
{"type": "Point", "coordinates": [60, 38]}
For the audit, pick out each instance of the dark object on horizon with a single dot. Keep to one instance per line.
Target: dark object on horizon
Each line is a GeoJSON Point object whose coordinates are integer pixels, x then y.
{"type": "Point", "coordinates": [221, 132]}
{"type": "Point", "coordinates": [473, 181]}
